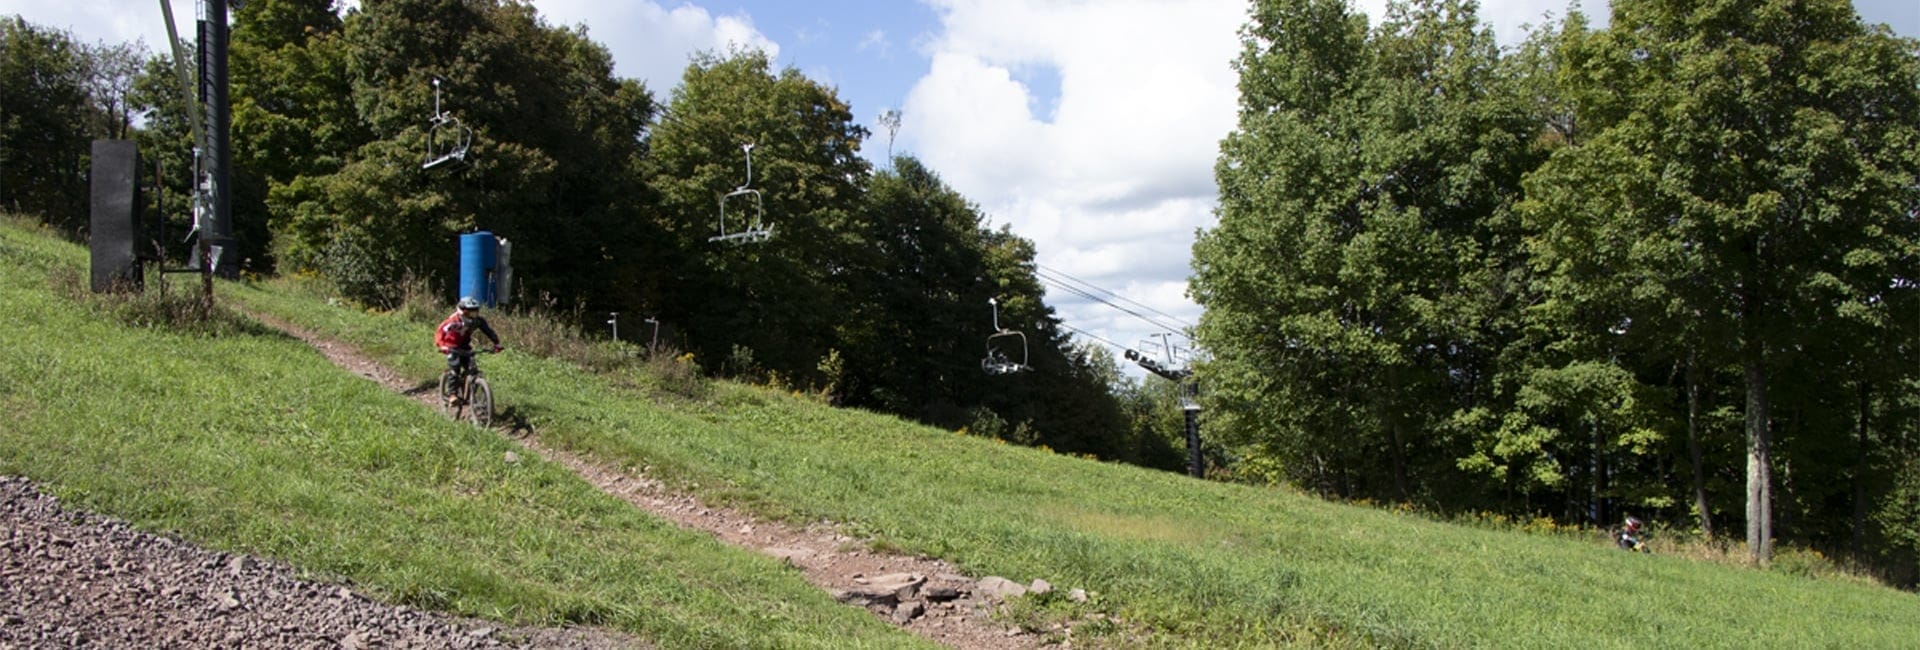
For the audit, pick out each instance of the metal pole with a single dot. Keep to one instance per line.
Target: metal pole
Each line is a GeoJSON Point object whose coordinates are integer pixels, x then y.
{"type": "Point", "coordinates": [1196, 466]}
{"type": "Point", "coordinates": [219, 141]}
{"type": "Point", "coordinates": [160, 215]}
{"type": "Point", "coordinates": [613, 318]}
{"type": "Point", "coordinates": [1190, 403]}
{"type": "Point", "coordinates": [180, 70]}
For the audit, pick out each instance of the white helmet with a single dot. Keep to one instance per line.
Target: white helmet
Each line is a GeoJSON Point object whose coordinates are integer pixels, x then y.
{"type": "Point", "coordinates": [469, 302]}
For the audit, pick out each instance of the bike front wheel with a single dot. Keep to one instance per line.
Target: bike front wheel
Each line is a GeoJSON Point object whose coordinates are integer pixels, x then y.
{"type": "Point", "coordinates": [450, 397]}
{"type": "Point", "coordinates": [480, 403]}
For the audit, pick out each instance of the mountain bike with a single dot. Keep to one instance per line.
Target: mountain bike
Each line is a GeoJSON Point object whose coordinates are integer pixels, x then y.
{"type": "Point", "coordinates": [465, 394]}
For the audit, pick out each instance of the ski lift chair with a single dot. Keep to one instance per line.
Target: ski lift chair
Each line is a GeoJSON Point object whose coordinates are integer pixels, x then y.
{"type": "Point", "coordinates": [447, 139]}
{"type": "Point", "coordinates": [998, 361]}
{"type": "Point", "coordinates": [754, 230]}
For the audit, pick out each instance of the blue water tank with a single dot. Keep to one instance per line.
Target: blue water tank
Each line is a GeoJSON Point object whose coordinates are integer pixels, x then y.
{"type": "Point", "coordinates": [478, 258]}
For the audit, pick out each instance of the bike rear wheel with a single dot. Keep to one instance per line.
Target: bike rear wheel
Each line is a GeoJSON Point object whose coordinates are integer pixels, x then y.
{"type": "Point", "coordinates": [480, 403]}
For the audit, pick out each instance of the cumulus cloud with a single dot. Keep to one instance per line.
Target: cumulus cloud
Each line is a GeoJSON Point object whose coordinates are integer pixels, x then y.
{"type": "Point", "coordinates": [113, 22]}
{"type": "Point", "coordinates": [652, 43]}
{"type": "Point", "coordinates": [649, 41]}
{"type": "Point", "coordinates": [1111, 177]}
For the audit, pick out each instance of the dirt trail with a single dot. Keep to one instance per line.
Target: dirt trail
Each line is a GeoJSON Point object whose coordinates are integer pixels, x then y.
{"type": "Point", "coordinates": [928, 597]}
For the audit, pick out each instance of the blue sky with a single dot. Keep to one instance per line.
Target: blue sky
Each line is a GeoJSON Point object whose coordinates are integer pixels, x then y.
{"type": "Point", "coordinates": [1089, 126]}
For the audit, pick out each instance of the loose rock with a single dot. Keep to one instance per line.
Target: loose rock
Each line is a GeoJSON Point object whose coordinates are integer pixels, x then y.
{"type": "Point", "coordinates": [104, 597]}
{"type": "Point", "coordinates": [1000, 588]}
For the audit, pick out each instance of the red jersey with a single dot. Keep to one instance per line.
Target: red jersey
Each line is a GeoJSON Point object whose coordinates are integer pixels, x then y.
{"type": "Point", "coordinates": [456, 332]}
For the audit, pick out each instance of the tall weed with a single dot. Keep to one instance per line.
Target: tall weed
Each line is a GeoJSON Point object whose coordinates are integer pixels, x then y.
{"type": "Point", "coordinates": [159, 305]}
{"type": "Point", "coordinates": [418, 301]}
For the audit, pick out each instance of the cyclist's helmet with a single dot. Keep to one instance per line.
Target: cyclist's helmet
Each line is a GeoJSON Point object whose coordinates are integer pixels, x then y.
{"type": "Point", "coordinates": [1633, 525]}
{"type": "Point", "coordinates": [469, 303]}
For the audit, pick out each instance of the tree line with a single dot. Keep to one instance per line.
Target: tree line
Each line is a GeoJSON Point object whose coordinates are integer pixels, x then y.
{"type": "Point", "coordinates": [874, 287]}
{"type": "Point", "coordinates": [1665, 268]}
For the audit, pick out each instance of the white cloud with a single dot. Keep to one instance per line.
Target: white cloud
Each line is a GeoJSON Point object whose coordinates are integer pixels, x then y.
{"type": "Point", "coordinates": [649, 42]}
{"type": "Point", "coordinates": [1112, 179]}
{"type": "Point", "coordinates": [652, 43]}
{"type": "Point", "coordinates": [117, 21]}
{"type": "Point", "coordinates": [876, 40]}
{"type": "Point", "coordinates": [814, 33]}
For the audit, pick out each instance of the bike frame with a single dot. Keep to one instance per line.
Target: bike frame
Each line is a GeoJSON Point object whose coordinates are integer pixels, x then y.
{"type": "Point", "coordinates": [461, 387]}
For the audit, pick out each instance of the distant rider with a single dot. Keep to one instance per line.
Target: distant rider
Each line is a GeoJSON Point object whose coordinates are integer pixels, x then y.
{"type": "Point", "coordinates": [455, 336]}
{"type": "Point", "coordinates": [1629, 536]}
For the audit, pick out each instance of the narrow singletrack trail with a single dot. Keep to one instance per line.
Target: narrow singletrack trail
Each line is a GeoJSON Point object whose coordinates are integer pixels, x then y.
{"type": "Point", "coordinates": [926, 596]}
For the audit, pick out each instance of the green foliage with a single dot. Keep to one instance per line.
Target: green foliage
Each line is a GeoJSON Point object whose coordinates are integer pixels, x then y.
{"type": "Point", "coordinates": [894, 270]}
{"type": "Point", "coordinates": [1157, 425]}
{"type": "Point", "coordinates": [1557, 279]}
{"type": "Point", "coordinates": [339, 115]}
{"type": "Point", "coordinates": [44, 130]}
{"type": "Point", "coordinates": [781, 298]}
{"type": "Point", "coordinates": [913, 339]}
{"type": "Point", "coordinates": [740, 363]}
{"type": "Point", "coordinates": [1357, 287]}
{"type": "Point", "coordinates": [1740, 197]}
{"type": "Point", "coordinates": [671, 373]}
{"type": "Point", "coordinates": [1562, 417]}
{"type": "Point", "coordinates": [1899, 516]}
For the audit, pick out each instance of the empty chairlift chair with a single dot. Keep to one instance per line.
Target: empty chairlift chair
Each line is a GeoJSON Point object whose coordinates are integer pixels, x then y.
{"type": "Point", "coordinates": [1001, 358]}
{"type": "Point", "coordinates": [748, 211]}
{"type": "Point", "coordinates": [447, 139]}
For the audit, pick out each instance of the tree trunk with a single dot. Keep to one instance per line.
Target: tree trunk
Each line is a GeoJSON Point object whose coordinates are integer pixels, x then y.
{"type": "Point", "coordinates": [1596, 478]}
{"type": "Point", "coordinates": [1693, 446]}
{"type": "Point", "coordinates": [1759, 455]}
{"type": "Point", "coordinates": [1860, 472]}
{"type": "Point", "coordinates": [1385, 406]}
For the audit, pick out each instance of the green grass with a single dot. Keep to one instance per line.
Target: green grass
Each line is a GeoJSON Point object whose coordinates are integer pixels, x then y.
{"type": "Point", "coordinates": [1196, 563]}
{"type": "Point", "coordinates": [251, 442]}
{"type": "Point", "coordinates": [1186, 562]}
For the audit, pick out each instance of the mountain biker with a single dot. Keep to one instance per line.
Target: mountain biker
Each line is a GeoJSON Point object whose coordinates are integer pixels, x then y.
{"type": "Point", "coordinates": [454, 337]}
{"type": "Point", "coordinates": [1629, 536]}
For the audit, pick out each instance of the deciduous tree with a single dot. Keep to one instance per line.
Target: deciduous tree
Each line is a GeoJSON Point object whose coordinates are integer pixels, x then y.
{"type": "Point", "coordinates": [1747, 181]}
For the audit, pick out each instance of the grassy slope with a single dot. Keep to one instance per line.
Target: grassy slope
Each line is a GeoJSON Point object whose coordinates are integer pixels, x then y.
{"type": "Point", "coordinates": [1207, 564]}
{"type": "Point", "coordinates": [255, 443]}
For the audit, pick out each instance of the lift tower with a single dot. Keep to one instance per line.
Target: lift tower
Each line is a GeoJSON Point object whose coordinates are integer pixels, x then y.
{"type": "Point", "coordinates": [1189, 402]}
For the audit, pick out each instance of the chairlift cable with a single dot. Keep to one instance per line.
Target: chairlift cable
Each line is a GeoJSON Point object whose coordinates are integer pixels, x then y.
{"type": "Point", "coordinates": [1093, 336]}
{"type": "Point", "coordinates": [1090, 296]}
{"type": "Point", "coordinates": [1154, 367]}
{"type": "Point", "coordinates": [1131, 301]}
